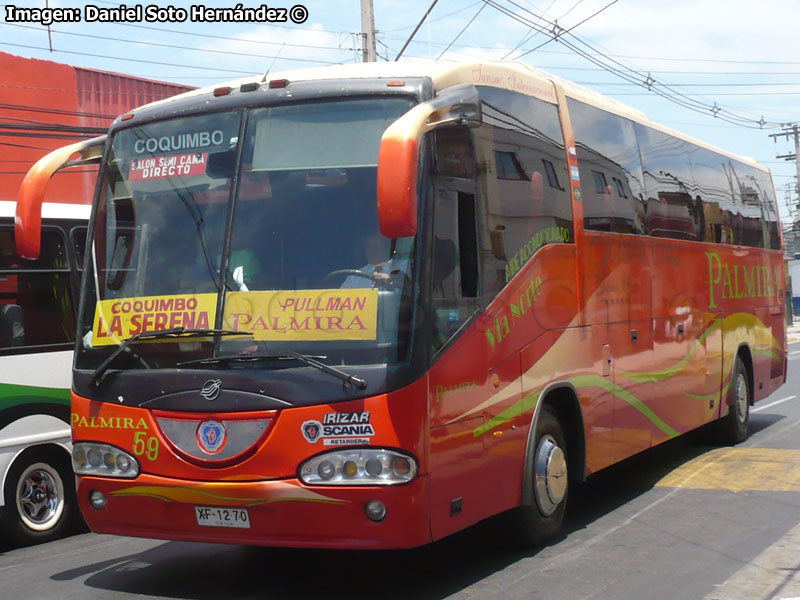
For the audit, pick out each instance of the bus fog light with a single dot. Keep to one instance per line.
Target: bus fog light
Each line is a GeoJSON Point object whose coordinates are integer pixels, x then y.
{"type": "Point", "coordinates": [97, 500]}
{"type": "Point", "coordinates": [376, 510]}
{"type": "Point", "coordinates": [359, 466]}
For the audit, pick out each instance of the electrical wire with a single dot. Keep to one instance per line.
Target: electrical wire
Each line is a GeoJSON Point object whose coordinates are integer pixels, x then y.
{"type": "Point", "coordinates": [160, 45]}
{"type": "Point", "coordinates": [475, 16]}
{"type": "Point", "coordinates": [629, 74]}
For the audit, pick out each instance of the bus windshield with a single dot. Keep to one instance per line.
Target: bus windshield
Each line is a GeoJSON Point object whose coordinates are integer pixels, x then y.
{"type": "Point", "coordinates": [262, 221]}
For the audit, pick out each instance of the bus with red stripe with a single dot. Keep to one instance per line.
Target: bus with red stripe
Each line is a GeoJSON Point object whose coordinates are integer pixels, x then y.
{"type": "Point", "coordinates": [369, 306]}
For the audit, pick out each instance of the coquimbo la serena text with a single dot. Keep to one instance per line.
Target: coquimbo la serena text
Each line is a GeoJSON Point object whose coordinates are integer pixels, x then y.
{"type": "Point", "coordinates": [368, 306]}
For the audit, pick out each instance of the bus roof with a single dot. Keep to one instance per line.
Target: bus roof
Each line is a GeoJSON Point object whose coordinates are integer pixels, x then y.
{"type": "Point", "coordinates": [509, 75]}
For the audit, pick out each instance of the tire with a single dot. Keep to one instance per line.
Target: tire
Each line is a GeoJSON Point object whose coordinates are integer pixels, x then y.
{"type": "Point", "coordinates": [733, 426]}
{"type": "Point", "coordinates": [40, 500]}
{"type": "Point", "coordinates": [541, 520]}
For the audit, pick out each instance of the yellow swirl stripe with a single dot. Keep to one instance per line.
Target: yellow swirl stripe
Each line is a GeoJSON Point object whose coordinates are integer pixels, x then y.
{"type": "Point", "coordinates": [199, 495]}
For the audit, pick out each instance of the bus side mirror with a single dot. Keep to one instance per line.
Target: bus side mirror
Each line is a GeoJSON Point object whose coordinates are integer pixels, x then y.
{"type": "Point", "coordinates": [398, 158]}
{"type": "Point", "coordinates": [28, 220]}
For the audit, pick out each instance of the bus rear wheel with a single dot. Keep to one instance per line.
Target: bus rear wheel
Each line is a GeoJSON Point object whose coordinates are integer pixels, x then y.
{"type": "Point", "coordinates": [40, 503]}
{"type": "Point", "coordinates": [541, 520]}
{"type": "Point", "coordinates": [733, 426]}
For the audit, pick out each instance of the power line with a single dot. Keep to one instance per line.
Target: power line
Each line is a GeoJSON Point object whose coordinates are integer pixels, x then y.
{"type": "Point", "coordinates": [631, 75]}
{"type": "Point", "coordinates": [136, 60]}
{"type": "Point", "coordinates": [160, 45]}
{"type": "Point", "coordinates": [557, 32]}
{"type": "Point", "coordinates": [455, 12]}
{"type": "Point", "coordinates": [475, 16]}
{"type": "Point", "coordinates": [416, 29]}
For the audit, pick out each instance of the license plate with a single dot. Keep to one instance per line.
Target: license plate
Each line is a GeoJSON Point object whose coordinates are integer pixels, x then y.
{"type": "Point", "coordinates": [215, 516]}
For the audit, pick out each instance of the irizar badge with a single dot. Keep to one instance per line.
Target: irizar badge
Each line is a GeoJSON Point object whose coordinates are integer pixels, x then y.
{"type": "Point", "coordinates": [211, 389]}
{"type": "Point", "coordinates": [211, 436]}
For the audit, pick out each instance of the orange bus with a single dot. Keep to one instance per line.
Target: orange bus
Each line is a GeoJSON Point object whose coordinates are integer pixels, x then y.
{"type": "Point", "coordinates": [368, 306]}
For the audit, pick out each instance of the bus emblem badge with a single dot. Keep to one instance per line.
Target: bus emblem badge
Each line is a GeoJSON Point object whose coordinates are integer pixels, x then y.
{"type": "Point", "coordinates": [211, 389]}
{"type": "Point", "coordinates": [211, 436]}
{"type": "Point", "coordinates": [311, 431]}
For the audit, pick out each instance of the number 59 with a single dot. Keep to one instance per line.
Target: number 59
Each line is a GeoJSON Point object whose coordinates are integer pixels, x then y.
{"type": "Point", "coordinates": [145, 445]}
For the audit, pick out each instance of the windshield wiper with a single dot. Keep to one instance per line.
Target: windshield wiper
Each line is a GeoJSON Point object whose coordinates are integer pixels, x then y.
{"type": "Point", "coordinates": [291, 355]}
{"type": "Point", "coordinates": [255, 357]}
{"type": "Point", "coordinates": [177, 332]}
{"type": "Point", "coordinates": [346, 377]}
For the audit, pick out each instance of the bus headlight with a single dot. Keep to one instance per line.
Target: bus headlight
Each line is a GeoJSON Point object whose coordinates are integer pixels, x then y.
{"type": "Point", "coordinates": [365, 466]}
{"type": "Point", "coordinates": [89, 458]}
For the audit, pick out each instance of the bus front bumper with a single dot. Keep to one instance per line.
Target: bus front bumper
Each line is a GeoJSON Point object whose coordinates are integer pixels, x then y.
{"type": "Point", "coordinates": [280, 513]}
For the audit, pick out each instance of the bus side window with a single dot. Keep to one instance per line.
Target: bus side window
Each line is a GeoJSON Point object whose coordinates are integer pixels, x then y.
{"type": "Point", "coordinates": [610, 170]}
{"type": "Point", "coordinates": [36, 300]}
{"type": "Point", "coordinates": [454, 248]}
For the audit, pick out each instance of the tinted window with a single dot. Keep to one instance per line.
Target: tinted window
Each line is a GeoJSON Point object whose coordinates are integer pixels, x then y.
{"type": "Point", "coordinates": [607, 152]}
{"type": "Point", "coordinates": [712, 187]}
{"type": "Point", "coordinates": [672, 209]}
{"type": "Point", "coordinates": [454, 247]}
{"type": "Point", "coordinates": [521, 151]}
{"type": "Point", "coordinates": [36, 301]}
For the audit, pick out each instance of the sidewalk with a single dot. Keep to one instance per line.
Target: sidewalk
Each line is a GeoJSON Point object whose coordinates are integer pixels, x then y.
{"type": "Point", "coordinates": [793, 331]}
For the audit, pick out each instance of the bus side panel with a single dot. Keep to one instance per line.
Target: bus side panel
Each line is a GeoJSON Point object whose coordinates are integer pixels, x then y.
{"type": "Point", "coordinates": [687, 367]}
{"type": "Point", "coordinates": [481, 404]}
{"type": "Point", "coordinates": [747, 285]}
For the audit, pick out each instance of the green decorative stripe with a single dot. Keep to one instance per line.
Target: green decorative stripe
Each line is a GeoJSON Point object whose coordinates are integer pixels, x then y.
{"type": "Point", "coordinates": [15, 395]}
{"type": "Point", "coordinates": [527, 403]}
{"type": "Point", "coordinates": [765, 352]}
{"type": "Point", "coordinates": [584, 381]}
{"type": "Point", "coordinates": [655, 376]}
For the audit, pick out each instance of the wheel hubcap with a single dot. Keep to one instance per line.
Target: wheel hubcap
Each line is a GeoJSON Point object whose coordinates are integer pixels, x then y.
{"type": "Point", "coordinates": [550, 475]}
{"type": "Point", "coordinates": [741, 398]}
{"type": "Point", "coordinates": [40, 497]}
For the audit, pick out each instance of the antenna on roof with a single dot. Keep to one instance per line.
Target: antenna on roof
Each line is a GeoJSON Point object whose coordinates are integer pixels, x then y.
{"type": "Point", "coordinates": [269, 68]}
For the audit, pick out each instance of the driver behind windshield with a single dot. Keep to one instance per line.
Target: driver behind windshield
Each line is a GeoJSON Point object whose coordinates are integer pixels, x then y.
{"type": "Point", "coordinates": [379, 271]}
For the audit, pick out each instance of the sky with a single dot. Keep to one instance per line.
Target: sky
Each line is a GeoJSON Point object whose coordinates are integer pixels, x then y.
{"type": "Point", "coordinates": [736, 59]}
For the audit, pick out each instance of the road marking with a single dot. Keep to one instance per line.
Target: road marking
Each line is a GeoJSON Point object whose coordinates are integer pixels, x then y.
{"type": "Point", "coordinates": [738, 470]}
{"type": "Point", "coordinates": [583, 546]}
{"type": "Point", "coordinates": [773, 574]}
{"type": "Point", "coordinates": [795, 352]}
{"type": "Point", "coordinates": [753, 410]}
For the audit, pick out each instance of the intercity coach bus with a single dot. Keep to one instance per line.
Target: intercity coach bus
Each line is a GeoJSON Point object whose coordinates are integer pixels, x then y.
{"type": "Point", "coordinates": [38, 312]}
{"type": "Point", "coordinates": [368, 306]}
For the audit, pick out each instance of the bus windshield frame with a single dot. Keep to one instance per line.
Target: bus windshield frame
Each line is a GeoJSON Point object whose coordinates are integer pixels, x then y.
{"type": "Point", "coordinates": [241, 220]}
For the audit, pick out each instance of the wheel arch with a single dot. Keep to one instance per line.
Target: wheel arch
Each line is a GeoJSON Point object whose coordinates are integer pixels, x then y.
{"type": "Point", "coordinates": [563, 397]}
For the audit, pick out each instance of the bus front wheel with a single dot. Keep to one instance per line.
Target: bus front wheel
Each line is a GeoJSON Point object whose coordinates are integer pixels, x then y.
{"type": "Point", "coordinates": [541, 519]}
{"type": "Point", "coordinates": [39, 494]}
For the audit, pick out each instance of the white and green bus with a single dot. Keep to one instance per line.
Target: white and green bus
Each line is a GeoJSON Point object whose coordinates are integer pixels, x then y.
{"type": "Point", "coordinates": [38, 306]}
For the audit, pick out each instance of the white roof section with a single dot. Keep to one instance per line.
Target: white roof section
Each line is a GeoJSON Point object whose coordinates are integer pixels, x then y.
{"type": "Point", "coordinates": [515, 76]}
{"type": "Point", "coordinates": [50, 210]}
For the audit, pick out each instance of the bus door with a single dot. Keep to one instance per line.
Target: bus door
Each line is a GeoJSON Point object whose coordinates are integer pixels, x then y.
{"type": "Point", "coordinates": [458, 376]}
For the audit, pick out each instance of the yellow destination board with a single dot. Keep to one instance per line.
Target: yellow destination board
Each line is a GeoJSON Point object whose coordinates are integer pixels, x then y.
{"type": "Point", "coordinates": [118, 319]}
{"type": "Point", "coordinates": [338, 314]}
{"type": "Point", "coordinates": [316, 315]}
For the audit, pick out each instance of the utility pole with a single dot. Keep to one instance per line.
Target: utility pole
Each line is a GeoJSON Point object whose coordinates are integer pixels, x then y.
{"type": "Point", "coordinates": [370, 53]}
{"type": "Point", "coordinates": [792, 131]}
